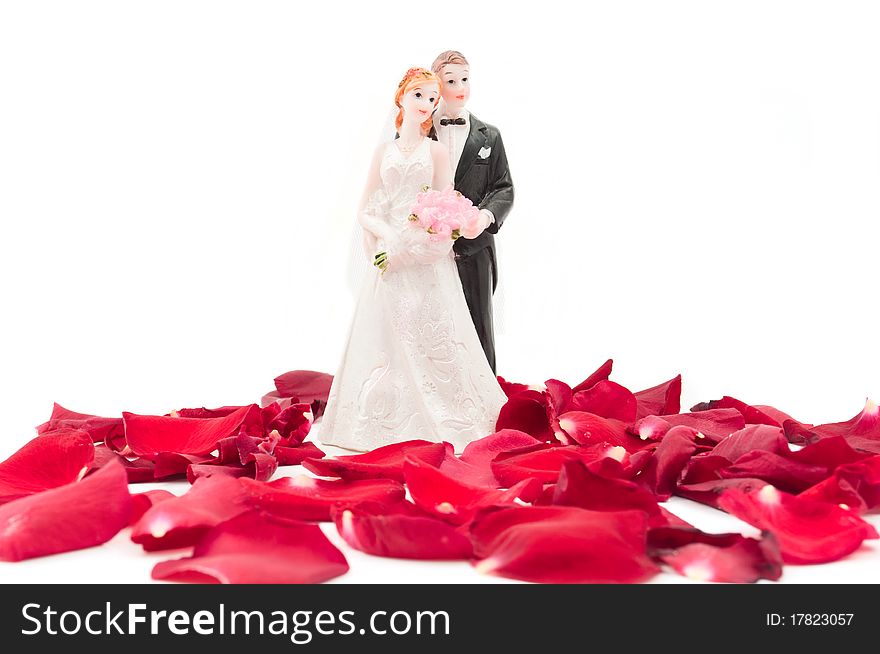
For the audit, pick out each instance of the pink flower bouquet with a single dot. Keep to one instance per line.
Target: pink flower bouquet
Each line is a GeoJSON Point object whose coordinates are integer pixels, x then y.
{"type": "Point", "coordinates": [446, 214]}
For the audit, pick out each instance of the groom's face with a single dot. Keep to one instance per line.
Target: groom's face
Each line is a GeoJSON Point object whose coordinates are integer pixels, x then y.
{"type": "Point", "coordinates": [456, 88]}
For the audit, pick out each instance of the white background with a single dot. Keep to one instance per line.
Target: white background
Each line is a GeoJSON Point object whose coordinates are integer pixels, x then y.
{"type": "Point", "coordinates": [697, 192]}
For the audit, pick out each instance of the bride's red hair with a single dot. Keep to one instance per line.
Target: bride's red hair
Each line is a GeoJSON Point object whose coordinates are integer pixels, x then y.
{"type": "Point", "coordinates": [414, 77]}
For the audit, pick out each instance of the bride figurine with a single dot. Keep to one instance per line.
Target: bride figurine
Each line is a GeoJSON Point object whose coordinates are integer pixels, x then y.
{"type": "Point", "coordinates": [413, 367]}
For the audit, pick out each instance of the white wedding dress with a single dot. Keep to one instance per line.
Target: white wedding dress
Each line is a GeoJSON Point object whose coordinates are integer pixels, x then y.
{"type": "Point", "coordinates": [413, 366]}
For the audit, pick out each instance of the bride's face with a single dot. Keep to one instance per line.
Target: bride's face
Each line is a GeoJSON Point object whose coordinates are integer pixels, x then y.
{"type": "Point", "coordinates": [456, 86]}
{"type": "Point", "coordinates": [420, 100]}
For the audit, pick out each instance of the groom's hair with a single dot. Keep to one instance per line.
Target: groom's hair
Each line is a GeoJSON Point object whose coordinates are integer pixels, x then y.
{"type": "Point", "coordinates": [448, 57]}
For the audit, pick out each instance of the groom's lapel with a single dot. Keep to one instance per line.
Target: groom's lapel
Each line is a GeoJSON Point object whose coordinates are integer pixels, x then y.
{"type": "Point", "coordinates": [476, 139]}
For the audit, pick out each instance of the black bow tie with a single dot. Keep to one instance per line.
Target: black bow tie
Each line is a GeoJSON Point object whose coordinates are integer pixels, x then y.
{"type": "Point", "coordinates": [452, 121]}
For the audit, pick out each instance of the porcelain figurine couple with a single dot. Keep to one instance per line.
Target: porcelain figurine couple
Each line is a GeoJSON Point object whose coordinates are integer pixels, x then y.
{"type": "Point", "coordinates": [420, 358]}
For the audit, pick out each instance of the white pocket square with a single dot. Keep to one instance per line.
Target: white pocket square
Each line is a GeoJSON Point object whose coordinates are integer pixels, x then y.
{"type": "Point", "coordinates": [484, 153]}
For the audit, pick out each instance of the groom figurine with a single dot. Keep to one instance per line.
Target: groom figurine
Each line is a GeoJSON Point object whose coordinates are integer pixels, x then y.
{"type": "Point", "coordinates": [481, 174]}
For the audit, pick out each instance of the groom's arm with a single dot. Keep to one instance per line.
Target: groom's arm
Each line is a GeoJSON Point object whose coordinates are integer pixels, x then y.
{"type": "Point", "coordinates": [499, 197]}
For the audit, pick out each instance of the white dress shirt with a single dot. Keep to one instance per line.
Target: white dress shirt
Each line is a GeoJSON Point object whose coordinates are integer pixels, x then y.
{"type": "Point", "coordinates": [454, 137]}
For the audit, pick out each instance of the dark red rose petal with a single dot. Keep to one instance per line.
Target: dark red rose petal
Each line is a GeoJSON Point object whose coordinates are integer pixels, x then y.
{"type": "Point", "coordinates": [139, 470]}
{"type": "Point", "coordinates": [254, 548]}
{"type": "Point", "coordinates": [54, 459]}
{"type": "Point", "coordinates": [663, 471]}
{"type": "Point", "coordinates": [752, 437]}
{"type": "Point", "coordinates": [606, 399]}
{"type": "Point", "coordinates": [261, 468]}
{"type": "Point", "coordinates": [601, 373]}
{"type": "Point", "coordinates": [783, 473]}
{"type": "Point", "coordinates": [71, 517]}
{"type": "Point", "coordinates": [293, 423]}
{"type": "Point", "coordinates": [580, 486]}
{"type": "Point", "coordinates": [149, 435]}
{"type": "Point", "coordinates": [704, 467]}
{"type": "Point", "coordinates": [753, 415]}
{"type": "Point", "coordinates": [171, 464]}
{"type": "Point", "coordinates": [660, 400]}
{"type": "Point", "coordinates": [181, 521]}
{"type": "Point", "coordinates": [382, 463]}
{"type": "Point", "coordinates": [141, 503]}
{"type": "Point", "coordinates": [457, 502]}
{"type": "Point", "coordinates": [709, 492]}
{"type": "Point", "coordinates": [527, 412]}
{"type": "Point", "coordinates": [726, 558]}
{"type": "Point", "coordinates": [101, 430]}
{"type": "Point", "coordinates": [544, 462]}
{"type": "Point", "coordinates": [307, 385]}
{"type": "Point", "coordinates": [307, 498]}
{"type": "Point", "coordinates": [292, 456]}
{"type": "Point", "coordinates": [556, 544]}
{"type": "Point", "coordinates": [807, 531]}
{"type": "Point", "coordinates": [714, 424]}
{"type": "Point", "coordinates": [401, 531]}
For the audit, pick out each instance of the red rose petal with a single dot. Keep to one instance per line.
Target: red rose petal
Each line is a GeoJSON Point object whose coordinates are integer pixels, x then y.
{"type": "Point", "coordinates": [261, 468]}
{"type": "Point", "coordinates": [864, 426]}
{"type": "Point", "coordinates": [839, 491]}
{"type": "Point", "coordinates": [254, 548]}
{"type": "Point", "coordinates": [579, 485]}
{"type": "Point", "coordinates": [726, 558]}
{"type": "Point", "coordinates": [752, 437]}
{"type": "Point", "coordinates": [662, 472]}
{"type": "Point", "coordinates": [660, 400]}
{"type": "Point", "coordinates": [307, 498]}
{"type": "Point", "coordinates": [171, 464]}
{"type": "Point", "coordinates": [709, 492]}
{"type": "Point", "coordinates": [139, 470]}
{"type": "Point", "coordinates": [856, 485]}
{"type": "Point", "coordinates": [558, 395]}
{"type": "Point", "coordinates": [587, 428]}
{"type": "Point", "coordinates": [704, 467]}
{"type": "Point", "coordinates": [141, 503]}
{"type": "Point", "coordinates": [293, 423]}
{"type": "Point", "coordinates": [54, 459]}
{"type": "Point", "coordinates": [606, 399]}
{"type": "Point", "coordinates": [556, 544]}
{"type": "Point", "coordinates": [544, 462]}
{"type": "Point", "coordinates": [511, 388]}
{"type": "Point", "coordinates": [382, 463]}
{"type": "Point", "coordinates": [307, 385]}
{"type": "Point", "coordinates": [457, 502]}
{"type": "Point", "coordinates": [181, 521]}
{"type": "Point", "coordinates": [783, 473]}
{"type": "Point", "coordinates": [479, 454]}
{"type": "Point", "coordinates": [714, 424]}
{"type": "Point", "coordinates": [829, 453]}
{"type": "Point", "coordinates": [753, 415]}
{"type": "Point", "coordinates": [106, 430]}
{"type": "Point", "coordinates": [149, 435]}
{"type": "Point", "coordinates": [71, 517]}
{"type": "Point", "coordinates": [527, 412]}
{"type": "Point", "coordinates": [401, 531]}
{"type": "Point", "coordinates": [292, 456]}
{"type": "Point", "coordinates": [807, 531]}
{"type": "Point", "coordinates": [601, 373]}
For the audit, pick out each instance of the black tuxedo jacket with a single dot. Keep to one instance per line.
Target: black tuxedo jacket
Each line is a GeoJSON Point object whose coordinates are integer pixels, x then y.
{"type": "Point", "coordinates": [485, 181]}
